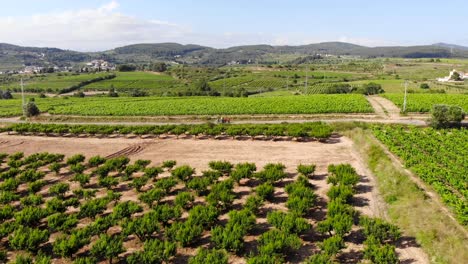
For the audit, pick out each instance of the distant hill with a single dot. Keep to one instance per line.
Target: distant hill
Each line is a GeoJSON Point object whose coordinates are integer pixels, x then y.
{"type": "Point", "coordinates": [12, 56]}
{"type": "Point", "coordinates": [450, 46]}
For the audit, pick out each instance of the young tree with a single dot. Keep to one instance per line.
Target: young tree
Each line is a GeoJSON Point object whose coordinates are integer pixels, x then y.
{"type": "Point", "coordinates": [26, 238]}
{"type": "Point", "coordinates": [183, 173]}
{"type": "Point", "coordinates": [62, 222]}
{"type": "Point", "coordinates": [265, 191]}
{"type": "Point", "coordinates": [444, 116]}
{"type": "Point", "coordinates": [66, 246]}
{"type": "Point", "coordinates": [31, 109]}
{"type": "Point", "coordinates": [59, 189]}
{"type": "Point", "coordinates": [107, 247]}
{"type": "Point", "coordinates": [288, 222]}
{"type": "Point", "coordinates": [154, 252]}
{"type": "Point", "coordinates": [166, 184]}
{"type": "Point", "coordinates": [306, 170]}
{"type": "Point", "coordinates": [126, 209]}
{"type": "Point", "coordinates": [184, 200]}
{"type": "Point", "coordinates": [152, 196]}
{"type": "Point", "coordinates": [199, 184]}
{"type": "Point", "coordinates": [143, 227]}
{"type": "Point", "coordinates": [332, 245]}
{"type": "Point", "coordinates": [224, 167]}
{"type": "Point", "coordinates": [209, 256]}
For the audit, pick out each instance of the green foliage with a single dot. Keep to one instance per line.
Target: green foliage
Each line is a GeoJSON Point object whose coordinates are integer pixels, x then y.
{"type": "Point", "coordinates": [379, 229]}
{"type": "Point", "coordinates": [59, 189]}
{"type": "Point", "coordinates": [343, 174]}
{"type": "Point", "coordinates": [139, 182]}
{"type": "Point", "coordinates": [184, 200]}
{"type": "Point", "coordinates": [83, 179]}
{"type": "Point", "coordinates": [199, 184]}
{"type": "Point", "coordinates": [272, 173]}
{"type": "Point", "coordinates": [75, 159]}
{"type": "Point", "coordinates": [306, 170]}
{"type": "Point", "coordinates": [169, 164]}
{"type": "Point", "coordinates": [444, 116]}
{"type": "Point", "coordinates": [126, 209]}
{"type": "Point", "coordinates": [108, 182]}
{"type": "Point", "coordinates": [183, 173]}
{"type": "Point", "coordinates": [321, 258]}
{"type": "Point", "coordinates": [154, 252]}
{"type": "Point", "coordinates": [288, 222]}
{"type": "Point", "coordinates": [212, 256]}
{"type": "Point", "coordinates": [26, 238]}
{"type": "Point", "coordinates": [224, 167]}
{"type": "Point", "coordinates": [341, 223]}
{"type": "Point", "coordinates": [84, 260]}
{"type": "Point", "coordinates": [342, 192]}
{"type": "Point", "coordinates": [276, 243]}
{"type": "Point", "coordinates": [107, 247]}
{"type": "Point", "coordinates": [77, 168]}
{"type": "Point", "coordinates": [30, 216]}
{"type": "Point", "coordinates": [66, 246]}
{"type": "Point", "coordinates": [96, 161]}
{"type": "Point", "coordinates": [62, 222]}
{"type": "Point", "coordinates": [221, 194]}
{"type": "Point", "coordinates": [31, 109]}
{"type": "Point", "coordinates": [152, 172]}
{"type": "Point", "coordinates": [143, 227]}
{"type": "Point", "coordinates": [9, 185]}
{"type": "Point", "coordinates": [36, 186]}
{"type": "Point", "coordinates": [301, 197]}
{"type": "Point", "coordinates": [152, 196]}
{"type": "Point", "coordinates": [166, 184]}
{"type": "Point", "coordinates": [265, 190]}
{"type": "Point", "coordinates": [23, 259]}
{"type": "Point", "coordinates": [379, 254]}
{"type": "Point", "coordinates": [6, 212]}
{"type": "Point", "coordinates": [253, 203]}
{"type": "Point", "coordinates": [332, 245]}
{"type": "Point", "coordinates": [185, 233]}
{"type": "Point", "coordinates": [93, 208]}
{"type": "Point", "coordinates": [243, 171]}
{"type": "Point", "coordinates": [55, 167]}
{"type": "Point", "coordinates": [231, 236]}
{"type": "Point", "coordinates": [7, 197]}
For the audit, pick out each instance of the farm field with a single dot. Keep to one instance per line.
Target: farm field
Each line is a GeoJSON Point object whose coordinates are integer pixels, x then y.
{"type": "Point", "coordinates": [423, 102]}
{"type": "Point", "coordinates": [148, 207]}
{"type": "Point", "coordinates": [47, 82]}
{"type": "Point", "coordinates": [438, 157]}
{"type": "Point", "coordinates": [145, 106]}
{"type": "Point", "coordinates": [128, 81]}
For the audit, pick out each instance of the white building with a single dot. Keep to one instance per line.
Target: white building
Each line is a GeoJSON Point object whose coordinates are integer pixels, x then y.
{"type": "Point", "coordinates": [463, 76]}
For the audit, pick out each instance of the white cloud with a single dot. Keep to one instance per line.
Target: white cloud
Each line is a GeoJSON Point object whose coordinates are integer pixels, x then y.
{"type": "Point", "coordinates": [88, 29]}
{"type": "Point", "coordinates": [104, 28]}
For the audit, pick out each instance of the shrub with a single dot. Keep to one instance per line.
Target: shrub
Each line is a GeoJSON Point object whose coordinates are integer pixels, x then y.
{"type": "Point", "coordinates": [23, 259]}
{"type": "Point", "coordinates": [31, 109]}
{"type": "Point", "coordinates": [83, 179]}
{"type": "Point", "coordinates": [340, 223]}
{"type": "Point", "coordinates": [152, 172]}
{"type": "Point", "coordinates": [77, 168]}
{"type": "Point", "coordinates": [321, 258]}
{"type": "Point", "coordinates": [221, 194]}
{"type": "Point", "coordinates": [36, 186]}
{"type": "Point", "coordinates": [25, 238]}
{"type": "Point", "coordinates": [166, 184]}
{"type": "Point", "coordinates": [253, 203]}
{"type": "Point", "coordinates": [154, 252]}
{"type": "Point", "coordinates": [108, 182]}
{"type": "Point", "coordinates": [93, 208]}
{"type": "Point", "coordinates": [444, 116]}
{"type": "Point", "coordinates": [126, 209]}
{"type": "Point", "coordinates": [288, 222]}
{"type": "Point", "coordinates": [75, 159]}
{"type": "Point", "coordinates": [224, 167]}
{"type": "Point", "coordinates": [96, 161]}
{"type": "Point", "coordinates": [30, 216]}
{"type": "Point", "coordinates": [107, 247]}
{"type": "Point", "coordinates": [199, 184]}
{"type": "Point", "coordinates": [306, 170]}
{"type": "Point", "coordinates": [424, 86]}
{"type": "Point", "coordinates": [185, 233]}
{"type": "Point", "coordinates": [379, 254]}
{"type": "Point", "coordinates": [55, 167]}
{"type": "Point", "coordinates": [59, 189]}
{"type": "Point", "coordinates": [66, 246]}
{"type": "Point", "coordinates": [183, 173]}
{"type": "Point", "coordinates": [332, 245]}
{"type": "Point", "coordinates": [342, 192]}
{"type": "Point", "coordinates": [143, 227]}
{"type": "Point", "coordinates": [62, 222]}
{"type": "Point", "coordinates": [231, 236]}
{"type": "Point", "coordinates": [164, 213]}
{"type": "Point", "coordinates": [379, 229]}
{"type": "Point", "coordinates": [152, 196]}
{"type": "Point", "coordinates": [169, 164]}
{"type": "Point", "coordinates": [272, 173]}
{"type": "Point", "coordinates": [276, 243]}
{"type": "Point", "coordinates": [203, 215]}
{"type": "Point", "coordinates": [6, 212]}
{"type": "Point", "coordinates": [265, 190]}
{"type": "Point", "coordinates": [184, 200]}
{"type": "Point", "coordinates": [212, 256]}
{"type": "Point", "coordinates": [139, 182]}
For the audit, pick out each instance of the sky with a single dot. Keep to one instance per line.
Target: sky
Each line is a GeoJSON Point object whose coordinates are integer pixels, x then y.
{"type": "Point", "coordinates": [99, 25]}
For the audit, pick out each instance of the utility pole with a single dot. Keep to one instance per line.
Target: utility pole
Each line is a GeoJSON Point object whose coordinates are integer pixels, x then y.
{"type": "Point", "coordinates": [22, 98]}
{"type": "Point", "coordinates": [404, 100]}
{"type": "Point", "coordinates": [307, 80]}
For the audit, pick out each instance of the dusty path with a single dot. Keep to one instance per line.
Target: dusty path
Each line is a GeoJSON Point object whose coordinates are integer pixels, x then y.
{"type": "Point", "coordinates": [384, 107]}
{"type": "Point", "coordinates": [198, 153]}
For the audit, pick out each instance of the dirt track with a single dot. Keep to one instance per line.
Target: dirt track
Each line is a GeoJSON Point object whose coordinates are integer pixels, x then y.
{"type": "Point", "coordinates": [198, 153]}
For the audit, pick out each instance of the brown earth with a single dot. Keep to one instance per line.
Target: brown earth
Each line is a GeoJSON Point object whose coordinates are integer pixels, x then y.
{"type": "Point", "coordinates": [198, 153]}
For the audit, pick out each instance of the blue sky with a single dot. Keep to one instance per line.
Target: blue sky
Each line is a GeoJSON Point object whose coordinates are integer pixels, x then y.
{"type": "Point", "coordinates": [99, 25]}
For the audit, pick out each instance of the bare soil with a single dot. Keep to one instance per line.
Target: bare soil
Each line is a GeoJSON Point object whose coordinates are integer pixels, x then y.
{"type": "Point", "coordinates": [198, 153]}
